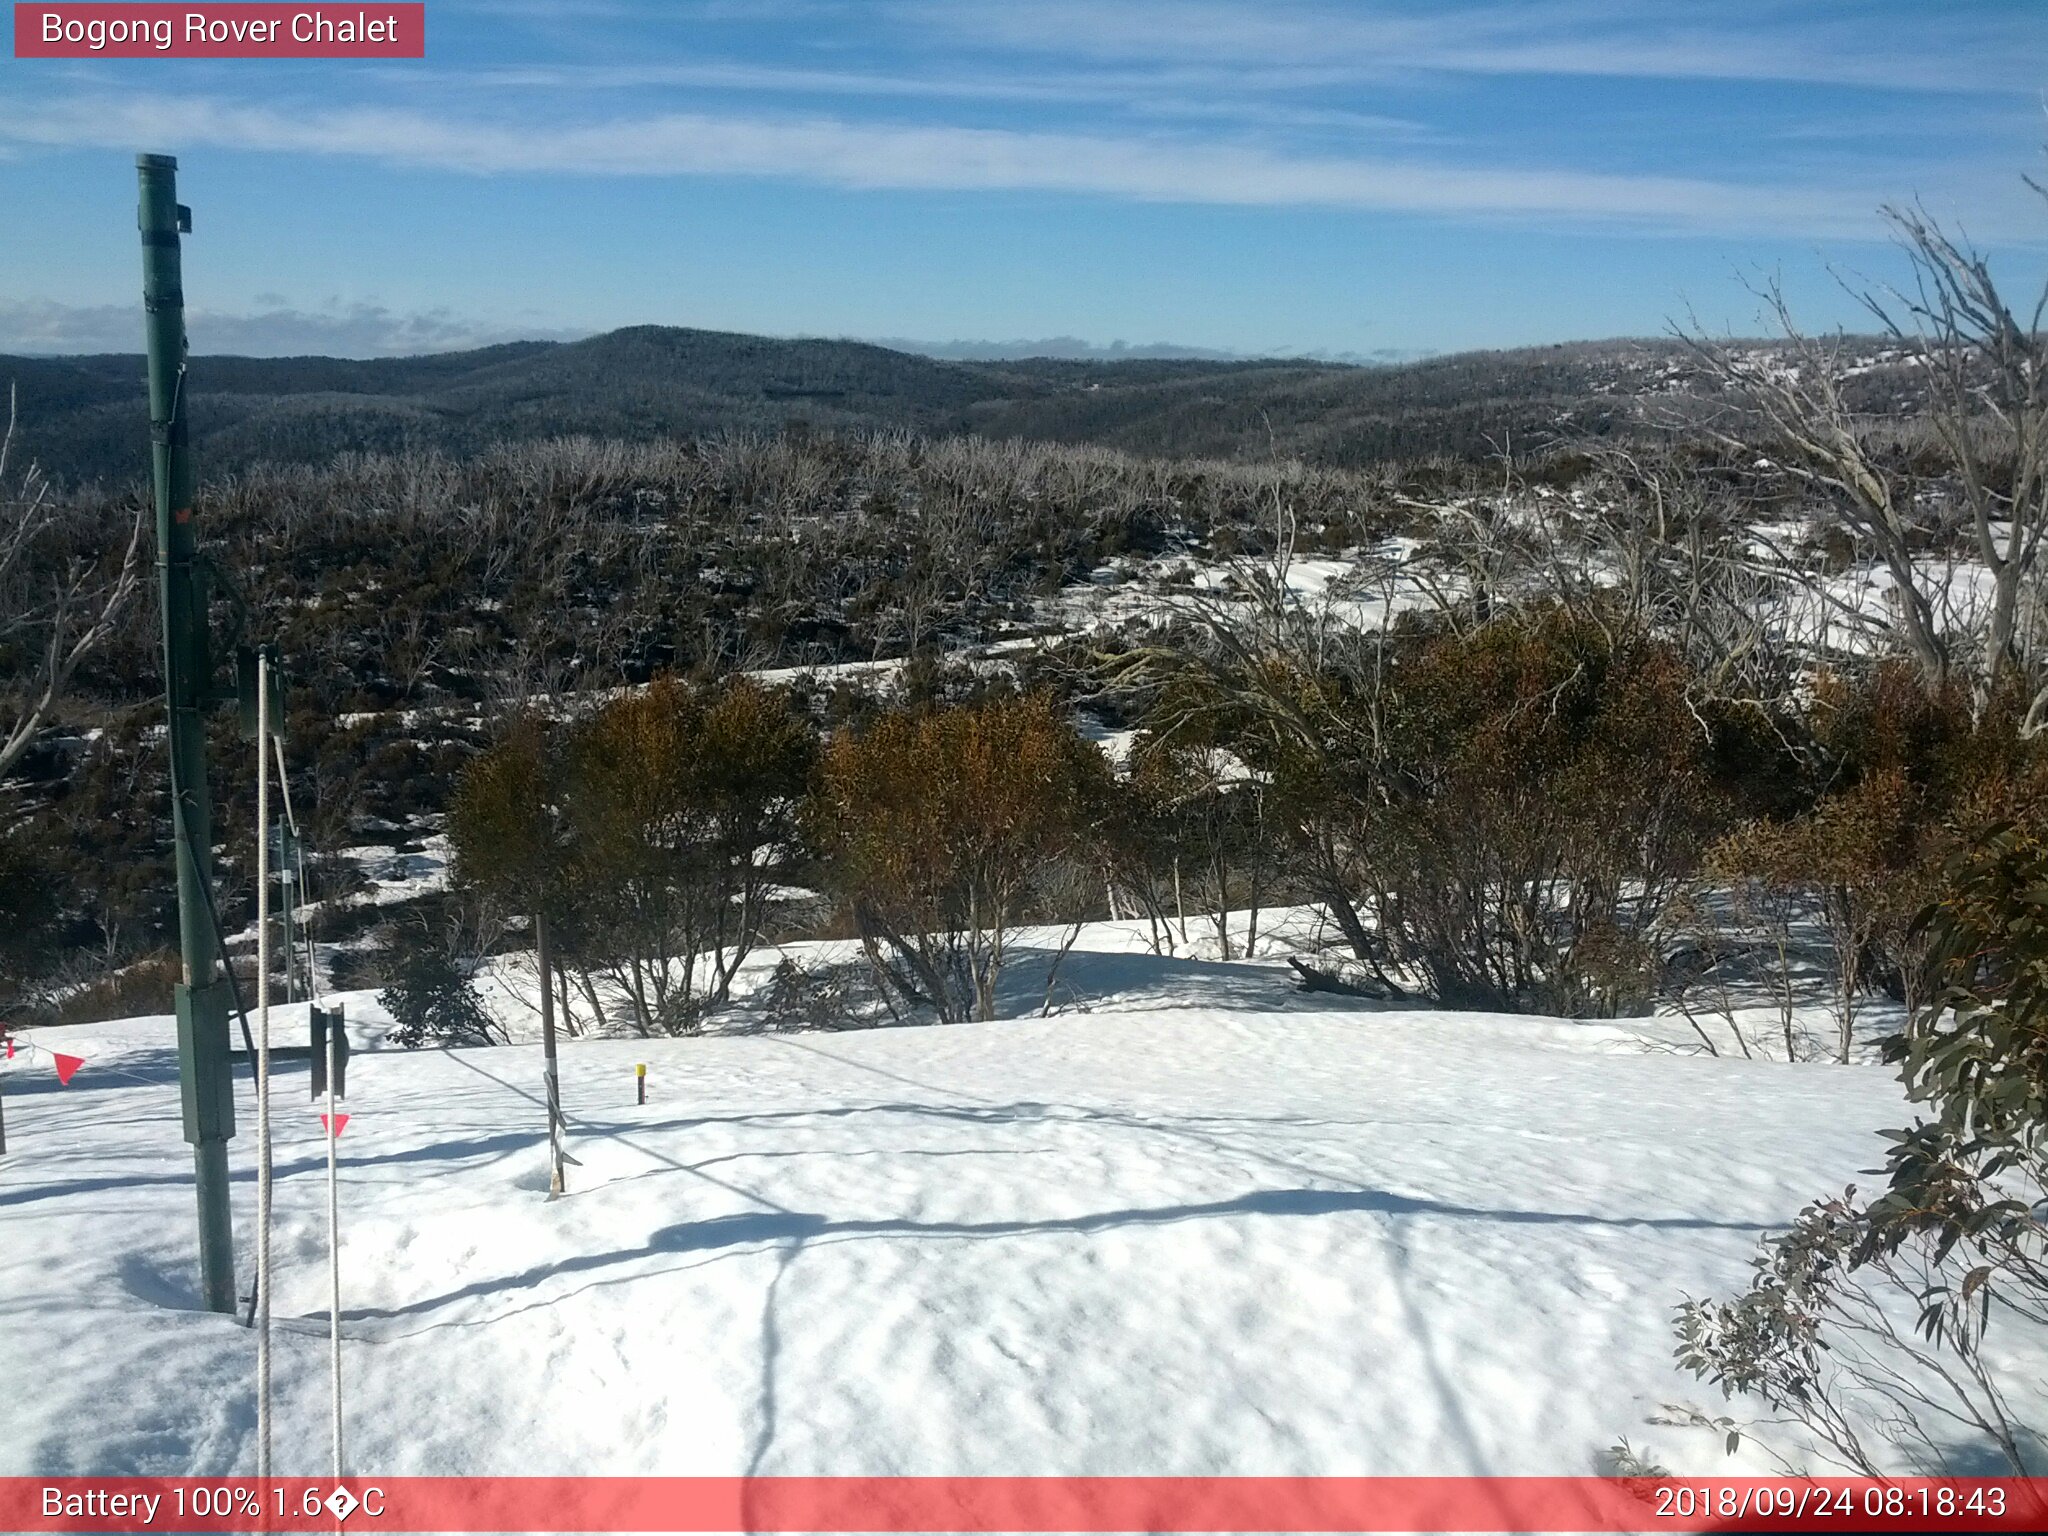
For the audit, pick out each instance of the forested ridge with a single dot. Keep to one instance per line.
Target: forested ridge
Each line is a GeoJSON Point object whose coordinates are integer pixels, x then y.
{"type": "Point", "coordinates": [83, 418]}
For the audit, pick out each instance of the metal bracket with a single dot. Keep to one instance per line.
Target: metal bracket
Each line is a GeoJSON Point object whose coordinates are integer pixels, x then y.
{"type": "Point", "coordinates": [218, 580]}
{"type": "Point", "coordinates": [245, 690]}
{"type": "Point", "coordinates": [207, 1091]}
{"type": "Point", "coordinates": [321, 1021]}
{"type": "Point", "coordinates": [212, 580]}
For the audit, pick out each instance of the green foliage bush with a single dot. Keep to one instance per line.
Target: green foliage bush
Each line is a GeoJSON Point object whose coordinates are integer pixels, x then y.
{"type": "Point", "coordinates": [430, 995]}
{"type": "Point", "coordinates": [1870, 1320]}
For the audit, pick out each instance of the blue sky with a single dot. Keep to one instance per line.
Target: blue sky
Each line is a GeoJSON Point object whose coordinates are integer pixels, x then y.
{"type": "Point", "coordinates": [1270, 176]}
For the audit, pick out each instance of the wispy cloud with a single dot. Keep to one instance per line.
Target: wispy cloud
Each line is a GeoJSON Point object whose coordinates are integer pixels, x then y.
{"type": "Point", "coordinates": [1930, 48]}
{"type": "Point", "coordinates": [1185, 92]}
{"type": "Point", "coordinates": [726, 75]}
{"type": "Point", "coordinates": [848, 154]}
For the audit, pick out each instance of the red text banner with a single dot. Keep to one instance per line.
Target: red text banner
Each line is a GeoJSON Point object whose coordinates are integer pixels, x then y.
{"type": "Point", "coordinates": [1025, 1504]}
{"type": "Point", "coordinates": [220, 31]}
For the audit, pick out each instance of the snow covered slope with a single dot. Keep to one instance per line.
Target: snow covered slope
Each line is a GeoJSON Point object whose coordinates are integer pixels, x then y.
{"type": "Point", "coordinates": [1224, 1230]}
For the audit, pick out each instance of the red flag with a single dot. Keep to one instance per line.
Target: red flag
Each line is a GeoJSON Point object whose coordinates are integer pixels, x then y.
{"type": "Point", "coordinates": [66, 1066]}
{"type": "Point", "coordinates": [340, 1123]}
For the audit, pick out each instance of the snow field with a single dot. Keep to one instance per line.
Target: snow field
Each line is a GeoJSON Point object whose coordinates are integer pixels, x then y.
{"type": "Point", "coordinates": [1218, 1230]}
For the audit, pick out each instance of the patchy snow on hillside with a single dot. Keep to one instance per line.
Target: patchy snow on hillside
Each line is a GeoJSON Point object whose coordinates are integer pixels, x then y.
{"type": "Point", "coordinates": [1212, 1225]}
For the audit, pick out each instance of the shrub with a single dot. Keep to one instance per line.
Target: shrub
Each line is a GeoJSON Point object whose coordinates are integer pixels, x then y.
{"type": "Point", "coordinates": [504, 822]}
{"type": "Point", "coordinates": [507, 828]}
{"type": "Point", "coordinates": [1871, 1319]}
{"type": "Point", "coordinates": [945, 829]}
{"type": "Point", "coordinates": [683, 807]}
{"type": "Point", "coordinates": [1502, 816]}
{"type": "Point", "coordinates": [1858, 859]}
{"type": "Point", "coordinates": [1979, 1059]}
{"type": "Point", "coordinates": [430, 996]}
{"type": "Point", "coordinates": [145, 986]}
{"type": "Point", "coordinates": [1903, 774]}
{"type": "Point", "coordinates": [1190, 828]}
{"type": "Point", "coordinates": [28, 916]}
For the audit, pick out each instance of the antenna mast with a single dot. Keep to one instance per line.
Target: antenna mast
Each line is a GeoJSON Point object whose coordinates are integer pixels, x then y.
{"type": "Point", "coordinates": [207, 1091]}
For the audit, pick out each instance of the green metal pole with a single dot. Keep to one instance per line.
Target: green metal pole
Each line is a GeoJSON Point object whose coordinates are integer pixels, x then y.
{"type": "Point", "coordinates": [207, 1090]}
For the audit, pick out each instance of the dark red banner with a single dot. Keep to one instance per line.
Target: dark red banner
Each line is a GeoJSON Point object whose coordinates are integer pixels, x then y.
{"type": "Point", "coordinates": [1026, 1504]}
{"type": "Point", "coordinates": [263, 31]}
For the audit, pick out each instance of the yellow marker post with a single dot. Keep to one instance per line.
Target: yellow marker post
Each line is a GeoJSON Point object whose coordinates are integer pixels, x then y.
{"type": "Point", "coordinates": [640, 1076]}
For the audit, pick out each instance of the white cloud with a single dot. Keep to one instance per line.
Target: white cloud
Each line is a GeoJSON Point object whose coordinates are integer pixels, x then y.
{"type": "Point", "coordinates": [1186, 92]}
{"type": "Point", "coordinates": [839, 153]}
{"type": "Point", "coordinates": [337, 330]}
{"type": "Point", "coordinates": [1943, 48]}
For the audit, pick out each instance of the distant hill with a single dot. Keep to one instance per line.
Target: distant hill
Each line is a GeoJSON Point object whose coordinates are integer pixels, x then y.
{"type": "Point", "coordinates": [1074, 349]}
{"type": "Point", "coordinates": [83, 418]}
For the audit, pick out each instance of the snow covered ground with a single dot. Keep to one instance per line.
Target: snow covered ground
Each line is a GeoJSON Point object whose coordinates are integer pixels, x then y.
{"type": "Point", "coordinates": [1210, 1225]}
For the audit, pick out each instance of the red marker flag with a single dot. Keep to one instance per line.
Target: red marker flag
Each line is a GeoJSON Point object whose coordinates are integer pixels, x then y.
{"type": "Point", "coordinates": [10, 1047]}
{"type": "Point", "coordinates": [66, 1066]}
{"type": "Point", "coordinates": [340, 1123]}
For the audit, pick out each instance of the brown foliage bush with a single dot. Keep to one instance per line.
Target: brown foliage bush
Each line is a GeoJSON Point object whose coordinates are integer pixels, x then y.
{"type": "Point", "coordinates": [1500, 816]}
{"type": "Point", "coordinates": [1549, 792]}
{"type": "Point", "coordinates": [945, 829]}
{"type": "Point", "coordinates": [683, 804]}
{"type": "Point", "coordinates": [1906, 773]}
{"type": "Point", "coordinates": [651, 836]}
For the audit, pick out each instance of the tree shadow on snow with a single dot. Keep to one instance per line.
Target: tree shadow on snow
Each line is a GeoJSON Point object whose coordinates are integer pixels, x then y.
{"type": "Point", "coordinates": [1090, 979]}
{"type": "Point", "coordinates": [755, 1229]}
{"type": "Point", "coordinates": [243, 1170]}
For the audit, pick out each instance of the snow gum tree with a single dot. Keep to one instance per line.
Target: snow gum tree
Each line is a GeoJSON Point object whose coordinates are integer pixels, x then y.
{"type": "Point", "coordinates": [58, 602]}
{"type": "Point", "coordinates": [684, 804]}
{"type": "Point", "coordinates": [511, 844]}
{"type": "Point", "coordinates": [505, 821]}
{"type": "Point", "coordinates": [943, 830]}
{"type": "Point", "coordinates": [1978, 500]}
{"type": "Point", "coordinates": [647, 840]}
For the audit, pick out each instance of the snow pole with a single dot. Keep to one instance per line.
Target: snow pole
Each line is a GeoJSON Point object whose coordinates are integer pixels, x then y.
{"type": "Point", "coordinates": [296, 859]}
{"type": "Point", "coordinates": [263, 1171]}
{"type": "Point", "coordinates": [287, 899]}
{"type": "Point", "coordinates": [557, 1181]}
{"type": "Point", "coordinates": [333, 1253]}
{"type": "Point", "coordinates": [206, 1090]}
{"type": "Point", "coordinates": [640, 1076]}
